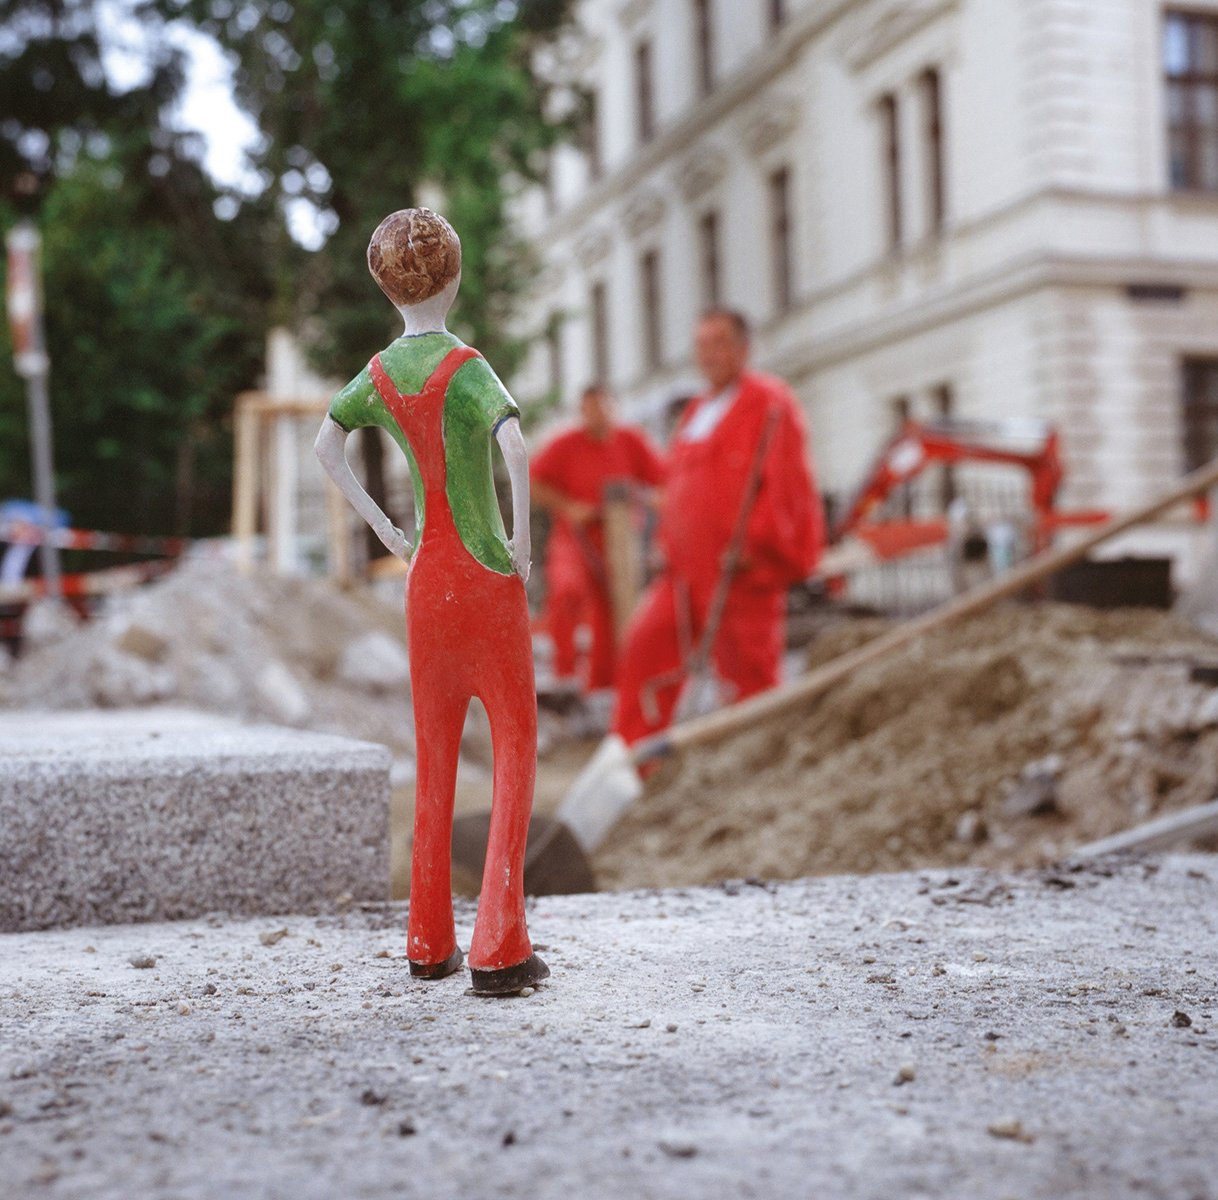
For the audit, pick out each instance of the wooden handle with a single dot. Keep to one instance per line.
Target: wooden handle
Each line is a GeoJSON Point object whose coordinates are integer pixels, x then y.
{"type": "Point", "coordinates": [779, 700]}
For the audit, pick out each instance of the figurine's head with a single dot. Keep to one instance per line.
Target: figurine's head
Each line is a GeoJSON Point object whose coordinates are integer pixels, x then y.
{"type": "Point", "coordinates": [415, 255]}
{"type": "Point", "coordinates": [721, 346]}
{"type": "Point", "coordinates": [596, 409]}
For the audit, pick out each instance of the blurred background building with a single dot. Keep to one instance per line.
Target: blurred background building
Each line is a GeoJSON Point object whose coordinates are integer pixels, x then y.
{"type": "Point", "coordinates": [976, 208]}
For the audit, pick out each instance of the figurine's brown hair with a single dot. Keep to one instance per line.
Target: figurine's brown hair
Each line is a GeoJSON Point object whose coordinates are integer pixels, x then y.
{"type": "Point", "coordinates": [414, 254]}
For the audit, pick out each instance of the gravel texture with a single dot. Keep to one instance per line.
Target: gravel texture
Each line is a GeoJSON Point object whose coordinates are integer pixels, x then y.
{"type": "Point", "coordinates": [158, 814]}
{"type": "Point", "coordinates": [921, 1035]}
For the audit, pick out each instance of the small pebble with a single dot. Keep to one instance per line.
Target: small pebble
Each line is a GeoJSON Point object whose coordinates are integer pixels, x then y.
{"type": "Point", "coordinates": [979, 957]}
{"type": "Point", "coordinates": [336, 966]}
{"type": "Point", "coordinates": [6, 1109]}
{"type": "Point", "coordinates": [272, 936]}
{"type": "Point", "coordinates": [670, 1028]}
{"type": "Point", "coordinates": [905, 1074]}
{"type": "Point", "coordinates": [1009, 1128]}
{"type": "Point", "coordinates": [142, 962]}
{"type": "Point", "coordinates": [678, 1149]}
{"type": "Point", "coordinates": [527, 991]}
{"type": "Point", "coordinates": [1181, 1020]}
{"type": "Point", "coordinates": [183, 1009]}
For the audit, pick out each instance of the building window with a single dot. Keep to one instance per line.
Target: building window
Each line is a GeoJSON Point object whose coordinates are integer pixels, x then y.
{"type": "Point", "coordinates": [778, 13]}
{"type": "Point", "coordinates": [644, 95]}
{"type": "Point", "coordinates": [930, 85]}
{"type": "Point", "coordinates": [901, 502]}
{"type": "Point", "coordinates": [592, 137]}
{"type": "Point", "coordinates": [944, 401]}
{"type": "Point", "coordinates": [600, 333]}
{"type": "Point", "coordinates": [708, 256]}
{"type": "Point", "coordinates": [554, 346]}
{"type": "Point", "coordinates": [891, 149]}
{"type": "Point", "coordinates": [1200, 404]}
{"type": "Point", "coordinates": [1190, 63]}
{"type": "Point", "coordinates": [782, 258]}
{"type": "Point", "coordinates": [649, 276]}
{"type": "Point", "coordinates": [704, 35]}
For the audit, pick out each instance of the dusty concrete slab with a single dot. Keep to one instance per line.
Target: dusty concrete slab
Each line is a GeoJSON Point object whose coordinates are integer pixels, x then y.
{"type": "Point", "coordinates": [157, 814]}
{"type": "Point", "coordinates": [933, 1035]}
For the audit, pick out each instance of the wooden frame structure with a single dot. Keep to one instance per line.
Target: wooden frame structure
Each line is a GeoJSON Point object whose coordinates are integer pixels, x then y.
{"type": "Point", "coordinates": [266, 475]}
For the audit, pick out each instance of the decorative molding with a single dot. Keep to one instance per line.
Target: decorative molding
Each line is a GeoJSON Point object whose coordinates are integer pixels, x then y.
{"type": "Point", "coordinates": [643, 211]}
{"type": "Point", "coordinates": [769, 121]}
{"type": "Point", "coordinates": [874, 31]}
{"type": "Point", "coordinates": [593, 247]}
{"type": "Point", "coordinates": [700, 172]}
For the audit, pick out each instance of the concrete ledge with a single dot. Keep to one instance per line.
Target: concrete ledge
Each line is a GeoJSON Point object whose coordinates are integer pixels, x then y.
{"type": "Point", "coordinates": [153, 815]}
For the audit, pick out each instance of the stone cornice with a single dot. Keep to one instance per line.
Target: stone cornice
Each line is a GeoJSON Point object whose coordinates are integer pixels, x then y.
{"type": "Point", "coordinates": [781, 53]}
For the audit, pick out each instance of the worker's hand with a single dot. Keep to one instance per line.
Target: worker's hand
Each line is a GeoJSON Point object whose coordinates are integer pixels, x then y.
{"type": "Point", "coordinates": [521, 554]}
{"type": "Point", "coordinates": [579, 513]}
{"type": "Point", "coordinates": [393, 539]}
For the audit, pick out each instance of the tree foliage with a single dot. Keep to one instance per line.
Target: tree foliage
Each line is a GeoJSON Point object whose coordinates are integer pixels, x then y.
{"type": "Point", "coordinates": [366, 105]}
{"type": "Point", "coordinates": [155, 308]}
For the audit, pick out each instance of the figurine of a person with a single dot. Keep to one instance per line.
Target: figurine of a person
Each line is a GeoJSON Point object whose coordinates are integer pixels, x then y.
{"type": "Point", "coordinates": [467, 619]}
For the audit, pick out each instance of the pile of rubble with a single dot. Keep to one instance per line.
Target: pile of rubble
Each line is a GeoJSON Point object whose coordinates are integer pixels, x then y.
{"type": "Point", "coordinates": [1001, 743]}
{"type": "Point", "coordinates": [290, 651]}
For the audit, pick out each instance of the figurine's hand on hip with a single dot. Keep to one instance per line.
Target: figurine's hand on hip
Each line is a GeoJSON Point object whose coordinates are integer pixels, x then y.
{"type": "Point", "coordinates": [394, 540]}
{"type": "Point", "coordinates": [520, 560]}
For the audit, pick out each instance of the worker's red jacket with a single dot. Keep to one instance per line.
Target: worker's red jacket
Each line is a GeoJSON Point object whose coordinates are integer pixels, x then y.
{"type": "Point", "coordinates": [580, 466]}
{"type": "Point", "coordinates": [706, 485]}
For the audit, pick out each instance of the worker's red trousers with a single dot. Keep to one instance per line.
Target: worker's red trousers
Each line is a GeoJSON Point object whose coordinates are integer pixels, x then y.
{"type": "Point", "coordinates": [747, 654]}
{"type": "Point", "coordinates": [574, 598]}
{"type": "Point", "coordinates": [468, 634]}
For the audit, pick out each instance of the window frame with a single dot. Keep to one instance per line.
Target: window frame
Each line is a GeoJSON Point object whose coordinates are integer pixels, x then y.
{"type": "Point", "coordinates": [1190, 83]}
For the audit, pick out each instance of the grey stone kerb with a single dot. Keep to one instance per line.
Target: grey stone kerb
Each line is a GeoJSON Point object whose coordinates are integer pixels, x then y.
{"type": "Point", "coordinates": [154, 815]}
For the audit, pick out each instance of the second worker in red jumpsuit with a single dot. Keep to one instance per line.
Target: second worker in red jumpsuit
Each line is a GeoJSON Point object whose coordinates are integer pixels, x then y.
{"type": "Point", "coordinates": [569, 476]}
{"type": "Point", "coordinates": [713, 454]}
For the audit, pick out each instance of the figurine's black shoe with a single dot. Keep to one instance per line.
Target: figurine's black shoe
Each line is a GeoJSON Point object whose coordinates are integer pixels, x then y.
{"type": "Point", "coordinates": [508, 981]}
{"type": "Point", "coordinates": [438, 970]}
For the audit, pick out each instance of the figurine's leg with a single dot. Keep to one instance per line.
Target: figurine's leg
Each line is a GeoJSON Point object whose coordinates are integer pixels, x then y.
{"type": "Point", "coordinates": [501, 956]}
{"type": "Point", "coordinates": [439, 714]}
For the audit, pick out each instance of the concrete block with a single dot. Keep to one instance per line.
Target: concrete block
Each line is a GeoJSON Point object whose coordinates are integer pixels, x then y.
{"type": "Point", "coordinates": [141, 815]}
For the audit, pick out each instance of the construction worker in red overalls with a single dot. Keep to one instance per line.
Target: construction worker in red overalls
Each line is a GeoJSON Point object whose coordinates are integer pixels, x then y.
{"type": "Point", "coordinates": [569, 476]}
{"type": "Point", "coordinates": [738, 471]}
{"type": "Point", "coordinates": [466, 615]}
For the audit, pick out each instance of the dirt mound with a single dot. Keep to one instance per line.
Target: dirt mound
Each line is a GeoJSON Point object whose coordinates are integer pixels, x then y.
{"type": "Point", "coordinates": [259, 647]}
{"type": "Point", "coordinates": [1003, 742]}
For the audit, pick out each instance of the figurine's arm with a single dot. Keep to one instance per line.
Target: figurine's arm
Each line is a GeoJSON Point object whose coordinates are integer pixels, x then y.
{"type": "Point", "coordinates": [511, 445]}
{"type": "Point", "coordinates": [330, 449]}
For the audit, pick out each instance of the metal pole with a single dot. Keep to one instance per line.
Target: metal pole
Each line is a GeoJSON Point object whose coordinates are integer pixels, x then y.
{"type": "Point", "coordinates": [44, 475]}
{"type": "Point", "coordinates": [25, 316]}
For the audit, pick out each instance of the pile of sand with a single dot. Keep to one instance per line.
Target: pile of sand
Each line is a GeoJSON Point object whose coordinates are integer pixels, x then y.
{"type": "Point", "coordinates": [260, 647]}
{"type": "Point", "coordinates": [1003, 742]}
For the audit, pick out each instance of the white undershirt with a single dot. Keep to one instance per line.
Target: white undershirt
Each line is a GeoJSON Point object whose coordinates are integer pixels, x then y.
{"type": "Point", "coordinates": [706, 420]}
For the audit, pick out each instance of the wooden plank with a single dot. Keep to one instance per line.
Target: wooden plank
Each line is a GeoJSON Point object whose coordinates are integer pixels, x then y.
{"type": "Point", "coordinates": [1161, 834]}
{"type": "Point", "coordinates": [622, 558]}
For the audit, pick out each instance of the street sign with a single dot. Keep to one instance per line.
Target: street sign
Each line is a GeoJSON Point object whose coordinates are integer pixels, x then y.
{"type": "Point", "coordinates": [24, 300]}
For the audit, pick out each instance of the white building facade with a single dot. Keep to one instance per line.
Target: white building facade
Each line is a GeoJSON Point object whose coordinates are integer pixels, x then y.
{"type": "Point", "coordinates": [983, 208]}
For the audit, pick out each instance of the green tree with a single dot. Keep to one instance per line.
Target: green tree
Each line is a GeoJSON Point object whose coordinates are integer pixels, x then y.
{"type": "Point", "coordinates": [362, 103]}
{"type": "Point", "coordinates": [155, 308]}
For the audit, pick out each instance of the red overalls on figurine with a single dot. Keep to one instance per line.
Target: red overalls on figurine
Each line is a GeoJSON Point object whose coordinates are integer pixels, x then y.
{"type": "Point", "coordinates": [466, 613]}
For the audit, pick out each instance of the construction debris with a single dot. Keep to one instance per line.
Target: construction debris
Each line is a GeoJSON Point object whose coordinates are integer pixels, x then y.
{"type": "Point", "coordinates": [291, 651]}
{"type": "Point", "coordinates": [1003, 742]}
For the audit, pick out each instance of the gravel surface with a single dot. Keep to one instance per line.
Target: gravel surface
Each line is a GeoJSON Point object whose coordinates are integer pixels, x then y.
{"type": "Point", "coordinates": [939, 1034]}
